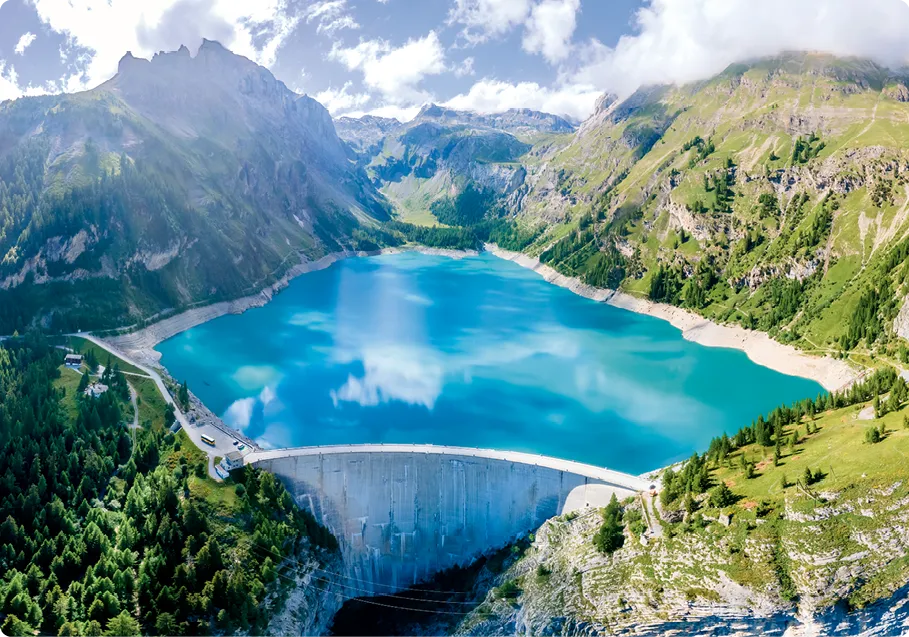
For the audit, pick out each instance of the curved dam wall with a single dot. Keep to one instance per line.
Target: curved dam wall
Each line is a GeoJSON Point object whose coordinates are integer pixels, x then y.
{"type": "Point", "coordinates": [404, 512]}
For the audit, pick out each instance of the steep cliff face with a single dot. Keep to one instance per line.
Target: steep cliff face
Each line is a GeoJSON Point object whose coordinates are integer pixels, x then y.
{"type": "Point", "coordinates": [182, 179]}
{"type": "Point", "coordinates": [687, 585]}
{"type": "Point", "coordinates": [365, 134]}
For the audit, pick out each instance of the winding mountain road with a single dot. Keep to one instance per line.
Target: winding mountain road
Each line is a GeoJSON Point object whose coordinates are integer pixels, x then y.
{"type": "Point", "coordinates": [223, 444]}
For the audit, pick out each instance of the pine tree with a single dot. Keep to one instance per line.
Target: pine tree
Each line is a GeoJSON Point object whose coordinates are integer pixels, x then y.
{"type": "Point", "coordinates": [183, 395]}
{"type": "Point", "coordinates": [749, 471]}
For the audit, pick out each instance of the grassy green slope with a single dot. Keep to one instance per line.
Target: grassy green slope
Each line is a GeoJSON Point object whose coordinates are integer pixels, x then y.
{"type": "Point", "coordinates": [786, 547]}
{"type": "Point", "coordinates": [781, 178]}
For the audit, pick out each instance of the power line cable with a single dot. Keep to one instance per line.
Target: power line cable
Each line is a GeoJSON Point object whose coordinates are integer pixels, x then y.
{"type": "Point", "coordinates": [369, 591]}
{"type": "Point", "coordinates": [380, 604]}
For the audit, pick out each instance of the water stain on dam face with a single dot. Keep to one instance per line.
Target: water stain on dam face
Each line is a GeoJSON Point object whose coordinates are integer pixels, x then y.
{"type": "Point", "coordinates": [403, 513]}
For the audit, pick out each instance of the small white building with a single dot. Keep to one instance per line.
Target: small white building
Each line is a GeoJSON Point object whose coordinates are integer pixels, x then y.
{"type": "Point", "coordinates": [233, 460]}
{"type": "Point", "coordinates": [96, 389]}
{"type": "Point", "coordinates": [73, 360]}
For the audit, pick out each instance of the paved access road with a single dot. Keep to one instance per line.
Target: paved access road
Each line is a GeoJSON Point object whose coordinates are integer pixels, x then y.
{"type": "Point", "coordinates": [223, 442]}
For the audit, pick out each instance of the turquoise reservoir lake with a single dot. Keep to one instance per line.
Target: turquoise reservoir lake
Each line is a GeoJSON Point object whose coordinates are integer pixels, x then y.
{"type": "Point", "coordinates": [476, 352]}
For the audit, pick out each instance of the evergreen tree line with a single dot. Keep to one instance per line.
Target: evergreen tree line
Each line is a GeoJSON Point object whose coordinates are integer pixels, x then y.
{"type": "Point", "coordinates": [694, 476]}
{"type": "Point", "coordinates": [100, 538]}
{"type": "Point", "coordinates": [768, 432]}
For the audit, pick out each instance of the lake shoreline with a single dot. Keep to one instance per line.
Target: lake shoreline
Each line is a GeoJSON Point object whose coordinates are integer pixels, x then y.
{"type": "Point", "coordinates": [831, 373]}
{"type": "Point", "coordinates": [141, 344]}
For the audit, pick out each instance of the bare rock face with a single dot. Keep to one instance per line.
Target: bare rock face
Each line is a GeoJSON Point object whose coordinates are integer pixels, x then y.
{"type": "Point", "coordinates": [897, 92]}
{"type": "Point", "coordinates": [901, 323]}
{"type": "Point", "coordinates": [364, 133]}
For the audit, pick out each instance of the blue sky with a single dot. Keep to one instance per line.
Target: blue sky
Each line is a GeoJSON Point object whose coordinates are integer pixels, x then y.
{"type": "Point", "coordinates": [391, 56]}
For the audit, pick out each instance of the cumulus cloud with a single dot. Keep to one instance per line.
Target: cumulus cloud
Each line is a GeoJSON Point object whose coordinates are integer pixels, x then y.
{"type": "Point", "coordinates": [342, 100]}
{"type": "Point", "coordinates": [11, 88]}
{"type": "Point", "coordinates": [106, 29]}
{"type": "Point", "coordinates": [484, 19]}
{"type": "Point", "coordinates": [9, 82]}
{"type": "Point", "coordinates": [679, 41]}
{"type": "Point", "coordinates": [465, 68]}
{"type": "Point", "coordinates": [331, 16]}
{"type": "Point", "coordinates": [550, 27]}
{"type": "Point", "coordinates": [495, 96]}
{"type": "Point", "coordinates": [183, 23]}
{"type": "Point", "coordinates": [24, 42]}
{"type": "Point", "coordinates": [394, 71]}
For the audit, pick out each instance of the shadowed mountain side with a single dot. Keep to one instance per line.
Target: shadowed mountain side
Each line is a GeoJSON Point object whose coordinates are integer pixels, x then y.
{"type": "Point", "coordinates": [182, 179]}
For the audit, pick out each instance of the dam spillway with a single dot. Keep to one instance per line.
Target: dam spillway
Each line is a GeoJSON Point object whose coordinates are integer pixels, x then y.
{"type": "Point", "coordinates": [402, 513]}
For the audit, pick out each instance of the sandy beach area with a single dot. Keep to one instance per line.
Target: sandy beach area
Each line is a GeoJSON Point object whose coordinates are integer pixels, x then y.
{"type": "Point", "coordinates": [758, 346]}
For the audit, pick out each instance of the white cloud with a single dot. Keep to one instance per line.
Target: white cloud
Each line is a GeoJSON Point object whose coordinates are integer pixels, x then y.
{"type": "Point", "coordinates": [109, 28]}
{"type": "Point", "coordinates": [394, 71]}
{"type": "Point", "coordinates": [464, 68]}
{"type": "Point", "coordinates": [410, 375]}
{"type": "Point", "coordinates": [484, 19]}
{"type": "Point", "coordinates": [331, 15]}
{"type": "Point", "coordinates": [24, 42]}
{"type": "Point", "coordinates": [10, 88]}
{"type": "Point", "coordinates": [550, 27]}
{"type": "Point", "coordinates": [495, 96]}
{"type": "Point", "coordinates": [342, 100]}
{"type": "Point", "coordinates": [679, 41]}
{"type": "Point", "coordinates": [9, 82]}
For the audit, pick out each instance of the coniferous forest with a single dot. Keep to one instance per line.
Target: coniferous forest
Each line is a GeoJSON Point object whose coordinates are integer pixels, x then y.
{"type": "Point", "coordinates": [101, 535]}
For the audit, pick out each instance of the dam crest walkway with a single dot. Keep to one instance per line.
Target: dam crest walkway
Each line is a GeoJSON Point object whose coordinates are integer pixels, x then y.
{"type": "Point", "coordinates": [601, 474]}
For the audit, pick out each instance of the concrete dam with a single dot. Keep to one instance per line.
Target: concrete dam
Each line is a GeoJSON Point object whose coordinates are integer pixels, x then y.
{"type": "Point", "coordinates": [402, 513]}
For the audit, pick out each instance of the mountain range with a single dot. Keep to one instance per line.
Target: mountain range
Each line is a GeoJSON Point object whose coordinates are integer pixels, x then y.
{"type": "Point", "coordinates": [182, 179]}
{"type": "Point", "coordinates": [772, 195]}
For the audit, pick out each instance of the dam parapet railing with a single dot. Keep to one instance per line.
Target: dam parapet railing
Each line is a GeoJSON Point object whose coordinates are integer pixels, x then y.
{"type": "Point", "coordinates": [603, 474]}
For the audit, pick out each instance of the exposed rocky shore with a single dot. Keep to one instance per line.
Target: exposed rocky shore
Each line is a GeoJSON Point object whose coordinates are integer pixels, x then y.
{"type": "Point", "coordinates": [140, 344]}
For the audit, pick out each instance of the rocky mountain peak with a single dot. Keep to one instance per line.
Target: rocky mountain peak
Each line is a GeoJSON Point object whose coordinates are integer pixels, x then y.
{"type": "Point", "coordinates": [431, 110]}
{"type": "Point", "coordinates": [129, 62]}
